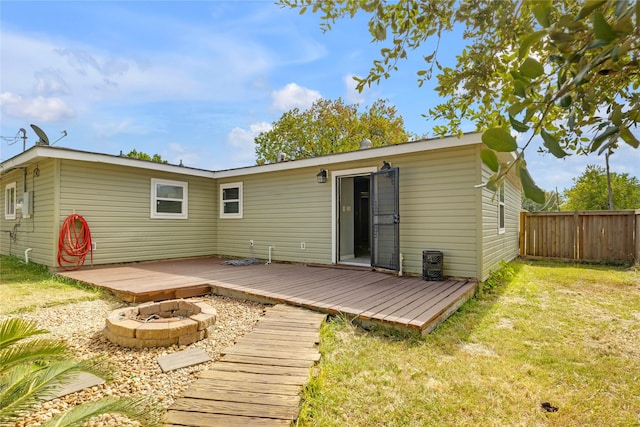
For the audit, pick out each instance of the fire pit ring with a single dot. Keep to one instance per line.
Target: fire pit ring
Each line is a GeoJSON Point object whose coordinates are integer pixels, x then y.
{"type": "Point", "coordinates": [160, 324]}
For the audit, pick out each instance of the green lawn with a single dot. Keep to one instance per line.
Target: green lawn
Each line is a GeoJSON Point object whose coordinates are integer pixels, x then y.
{"type": "Point", "coordinates": [558, 333]}
{"type": "Point", "coordinates": [25, 287]}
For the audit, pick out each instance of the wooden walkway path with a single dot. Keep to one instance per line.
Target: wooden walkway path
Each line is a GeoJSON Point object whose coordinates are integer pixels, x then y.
{"type": "Point", "coordinates": [369, 297]}
{"type": "Point", "coordinates": [258, 380]}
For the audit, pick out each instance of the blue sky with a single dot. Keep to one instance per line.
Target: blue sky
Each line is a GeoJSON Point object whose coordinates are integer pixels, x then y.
{"type": "Point", "coordinates": [197, 81]}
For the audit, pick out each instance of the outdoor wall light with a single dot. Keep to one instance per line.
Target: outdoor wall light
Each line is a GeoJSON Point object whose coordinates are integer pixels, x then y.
{"type": "Point", "coordinates": [385, 166]}
{"type": "Point", "coordinates": [322, 176]}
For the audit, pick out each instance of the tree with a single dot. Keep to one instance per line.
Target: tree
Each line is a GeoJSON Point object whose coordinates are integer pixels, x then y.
{"type": "Point", "coordinates": [135, 154]}
{"type": "Point", "coordinates": [329, 127]}
{"type": "Point", "coordinates": [562, 70]}
{"type": "Point", "coordinates": [589, 191]}
{"type": "Point", "coordinates": [30, 369]}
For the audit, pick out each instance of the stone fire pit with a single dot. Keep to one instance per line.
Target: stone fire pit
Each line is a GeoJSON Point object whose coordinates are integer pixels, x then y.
{"type": "Point", "coordinates": [160, 324]}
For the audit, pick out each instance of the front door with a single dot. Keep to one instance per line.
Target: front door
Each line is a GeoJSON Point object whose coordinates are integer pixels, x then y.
{"type": "Point", "coordinates": [385, 219]}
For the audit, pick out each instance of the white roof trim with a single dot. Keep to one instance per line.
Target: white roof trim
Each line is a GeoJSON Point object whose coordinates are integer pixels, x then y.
{"type": "Point", "coordinates": [369, 153]}
{"type": "Point", "coordinates": [43, 151]}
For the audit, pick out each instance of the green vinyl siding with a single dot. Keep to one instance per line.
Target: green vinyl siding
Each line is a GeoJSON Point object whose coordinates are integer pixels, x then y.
{"type": "Point", "coordinates": [437, 197]}
{"type": "Point", "coordinates": [281, 210]}
{"type": "Point", "coordinates": [498, 247]}
{"type": "Point", "coordinates": [283, 206]}
{"type": "Point", "coordinates": [37, 232]}
{"type": "Point", "coordinates": [116, 202]}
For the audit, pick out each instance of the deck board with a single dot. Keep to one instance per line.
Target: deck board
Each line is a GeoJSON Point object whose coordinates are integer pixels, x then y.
{"type": "Point", "coordinates": [257, 382]}
{"type": "Point", "coordinates": [368, 296]}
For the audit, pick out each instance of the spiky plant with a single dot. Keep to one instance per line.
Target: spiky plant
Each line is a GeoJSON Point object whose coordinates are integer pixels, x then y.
{"type": "Point", "coordinates": [31, 368]}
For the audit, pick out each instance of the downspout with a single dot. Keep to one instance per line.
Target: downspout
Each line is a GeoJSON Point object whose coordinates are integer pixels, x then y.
{"type": "Point", "coordinates": [26, 255]}
{"type": "Point", "coordinates": [401, 262]}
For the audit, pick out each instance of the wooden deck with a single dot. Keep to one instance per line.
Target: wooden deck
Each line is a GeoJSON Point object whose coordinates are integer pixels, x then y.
{"type": "Point", "coordinates": [368, 297]}
{"type": "Point", "coordinates": [258, 380]}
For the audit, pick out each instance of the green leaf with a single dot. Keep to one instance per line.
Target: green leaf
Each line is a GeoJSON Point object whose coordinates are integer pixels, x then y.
{"type": "Point", "coordinates": [500, 140]}
{"type": "Point", "coordinates": [598, 140]}
{"type": "Point", "coordinates": [541, 11]}
{"type": "Point", "coordinates": [490, 159]}
{"type": "Point", "coordinates": [380, 32]}
{"type": "Point", "coordinates": [629, 137]}
{"type": "Point", "coordinates": [616, 114]}
{"type": "Point", "coordinates": [588, 8]}
{"type": "Point", "coordinates": [601, 28]}
{"type": "Point", "coordinates": [552, 144]}
{"type": "Point", "coordinates": [515, 109]}
{"type": "Point", "coordinates": [531, 190]}
{"type": "Point", "coordinates": [531, 68]}
{"type": "Point", "coordinates": [518, 125]}
{"type": "Point", "coordinates": [519, 88]}
{"type": "Point", "coordinates": [527, 42]}
{"type": "Point", "coordinates": [565, 101]}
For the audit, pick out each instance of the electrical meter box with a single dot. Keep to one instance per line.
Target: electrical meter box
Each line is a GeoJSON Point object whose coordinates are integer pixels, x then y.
{"type": "Point", "coordinates": [27, 204]}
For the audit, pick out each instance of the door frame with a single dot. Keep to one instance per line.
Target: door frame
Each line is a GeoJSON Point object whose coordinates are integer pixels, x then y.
{"type": "Point", "coordinates": [335, 259]}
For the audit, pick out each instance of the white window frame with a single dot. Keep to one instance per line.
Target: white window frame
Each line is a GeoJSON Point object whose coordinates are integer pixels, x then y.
{"type": "Point", "coordinates": [223, 187]}
{"type": "Point", "coordinates": [154, 199]}
{"type": "Point", "coordinates": [501, 210]}
{"type": "Point", "coordinates": [10, 205]}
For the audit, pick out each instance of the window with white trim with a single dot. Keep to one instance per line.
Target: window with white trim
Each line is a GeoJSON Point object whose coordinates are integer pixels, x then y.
{"type": "Point", "coordinates": [10, 201]}
{"type": "Point", "coordinates": [169, 199]}
{"type": "Point", "coordinates": [231, 200]}
{"type": "Point", "coordinates": [501, 225]}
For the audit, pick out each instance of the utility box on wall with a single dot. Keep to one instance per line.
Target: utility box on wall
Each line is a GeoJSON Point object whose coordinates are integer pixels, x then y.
{"type": "Point", "coordinates": [27, 204]}
{"type": "Point", "coordinates": [432, 269]}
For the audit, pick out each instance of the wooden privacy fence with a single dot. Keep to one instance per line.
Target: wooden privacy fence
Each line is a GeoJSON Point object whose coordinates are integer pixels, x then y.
{"type": "Point", "coordinates": [592, 236]}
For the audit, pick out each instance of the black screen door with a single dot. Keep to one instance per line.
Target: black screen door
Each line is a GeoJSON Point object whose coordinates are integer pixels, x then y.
{"type": "Point", "coordinates": [385, 219]}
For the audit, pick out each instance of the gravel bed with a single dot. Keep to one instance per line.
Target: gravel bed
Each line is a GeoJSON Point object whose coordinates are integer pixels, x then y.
{"type": "Point", "coordinates": [136, 370]}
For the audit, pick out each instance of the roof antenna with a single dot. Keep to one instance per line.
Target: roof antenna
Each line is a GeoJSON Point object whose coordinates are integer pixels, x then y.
{"type": "Point", "coordinates": [24, 138]}
{"type": "Point", "coordinates": [64, 133]}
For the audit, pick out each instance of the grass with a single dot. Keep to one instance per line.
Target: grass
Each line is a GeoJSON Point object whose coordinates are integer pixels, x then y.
{"type": "Point", "coordinates": [558, 333]}
{"type": "Point", "coordinates": [27, 287]}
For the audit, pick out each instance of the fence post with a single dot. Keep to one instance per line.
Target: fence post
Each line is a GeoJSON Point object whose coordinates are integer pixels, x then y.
{"type": "Point", "coordinates": [576, 236]}
{"type": "Point", "coordinates": [636, 236]}
{"type": "Point", "coordinates": [522, 242]}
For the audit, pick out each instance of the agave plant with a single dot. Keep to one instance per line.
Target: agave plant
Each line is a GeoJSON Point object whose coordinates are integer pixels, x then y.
{"type": "Point", "coordinates": [31, 368]}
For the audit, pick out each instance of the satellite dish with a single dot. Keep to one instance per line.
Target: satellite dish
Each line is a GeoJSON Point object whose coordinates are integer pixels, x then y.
{"type": "Point", "coordinates": [44, 140]}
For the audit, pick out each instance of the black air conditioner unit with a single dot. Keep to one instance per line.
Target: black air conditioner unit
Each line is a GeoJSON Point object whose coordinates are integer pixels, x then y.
{"type": "Point", "coordinates": [432, 265]}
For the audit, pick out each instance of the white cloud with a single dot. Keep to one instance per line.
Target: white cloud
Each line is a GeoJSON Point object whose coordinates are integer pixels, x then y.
{"type": "Point", "coordinates": [242, 143]}
{"type": "Point", "coordinates": [109, 129]}
{"type": "Point", "coordinates": [292, 96]}
{"type": "Point", "coordinates": [178, 153]}
{"type": "Point", "coordinates": [38, 108]}
{"type": "Point", "coordinates": [352, 95]}
{"type": "Point", "coordinates": [50, 82]}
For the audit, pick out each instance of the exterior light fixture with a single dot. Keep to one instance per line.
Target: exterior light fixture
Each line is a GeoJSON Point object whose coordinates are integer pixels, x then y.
{"type": "Point", "coordinates": [385, 166]}
{"type": "Point", "coordinates": [322, 176]}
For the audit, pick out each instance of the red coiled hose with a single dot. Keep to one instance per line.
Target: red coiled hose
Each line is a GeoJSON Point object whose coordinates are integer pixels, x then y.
{"type": "Point", "coordinates": [74, 242]}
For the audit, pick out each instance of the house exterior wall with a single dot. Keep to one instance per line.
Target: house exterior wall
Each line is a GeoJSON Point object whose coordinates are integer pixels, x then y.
{"type": "Point", "coordinates": [115, 201]}
{"type": "Point", "coordinates": [281, 210]}
{"type": "Point", "coordinates": [283, 206]}
{"type": "Point", "coordinates": [498, 246]}
{"type": "Point", "coordinates": [437, 211]}
{"type": "Point", "coordinates": [39, 230]}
